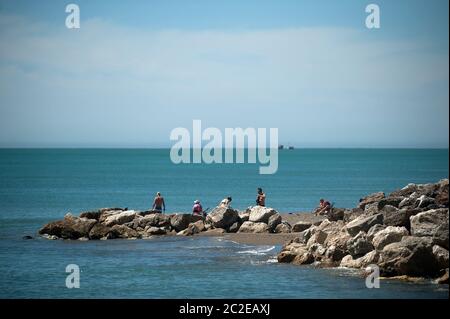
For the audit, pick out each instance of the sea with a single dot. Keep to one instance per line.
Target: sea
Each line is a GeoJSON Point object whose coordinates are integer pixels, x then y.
{"type": "Point", "coordinates": [41, 185]}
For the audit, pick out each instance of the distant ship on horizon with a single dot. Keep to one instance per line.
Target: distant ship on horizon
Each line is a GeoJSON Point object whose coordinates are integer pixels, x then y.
{"type": "Point", "coordinates": [281, 147]}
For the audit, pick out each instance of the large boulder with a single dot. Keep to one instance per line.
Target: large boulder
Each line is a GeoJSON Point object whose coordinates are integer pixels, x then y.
{"type": "Point", "coordinates": [389, 235]}
{"type": "Point", "coordinates": [301, 226]}
{"type": "Point", "coordinates": [295, 253]}
{"type": "Point", "coordinates": [245, 215]}
{"type": "Point", "coordinates": [223, 217]}
{"type": "Point", "coordinates": [374, 230]}
{"type": "Point", "coordinates": [180, 222]}
{"type": "Point", "coordinates": [369, 199]}
{"type": "Point", "coordinates": [412, 256]}
{"type": "Point", "coordinates": [107, 212]}
{"type": "Point", "coordinates": [336, 214]}
{"type": "Point", "coordinates": [69, 228]}
{"type": "Point", "coordinates": [361, 262]}
{"type": "Point", "coordinates": [442, 193]}
{"type": "Point", "coordinates": [235, 227]}
{"type": "Point", "coordinates": [155, 219]}
{"type": "Point", "coordinates": [120, 218]}
{"type": "Point", "coordinates": [391, 201]}
{"type": "Point", "coordinates": [432, 223]}
{"type": "Point", "coordinates": [155, 231]}
{"type": "Point", "coordinates": [260, 214]}
{"type": "Point", "coordinates": [425, 202]}
{"type": "Point", "coordinates": [318, 237]}
{"type": "Point", "coordinates": [371, 209]}
{"type": "Point", "coordinates": [399, 217]}
{"type": "Point", "coordinates": [252, 227]}
{"type": "Point", "coordinates": [274, 221]}
{"type": "Point", "coordinates": [283, 227]}
{"type": "Point", "coordinates": [405, 191]}
{"type": "Point", "coordinates": [441, 256]}
{"type": "Point", "coordinates": [363, 224]}
{"type": "Point", "coordinates": [359, 245]}
{"type": "Point", "coordinates": [338, 239]}
{"type": "Point", "coordinates": [351, 214]}
{"type": "Point", "coordinates": [193, 228]}
{"type": "Point", "coordinates": [99, 231]}
{"type": "Point", "coordinates": [91, 214]}
{"type": "Point", "coordinates": [122, 231]}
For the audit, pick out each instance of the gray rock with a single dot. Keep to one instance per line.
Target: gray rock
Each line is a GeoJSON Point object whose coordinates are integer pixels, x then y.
{"type": "Point", "coordinates": [99, 231]}
{"type": "Point", "coordinates": [375, 197]}
{"type": "Point", "coordinates": [69, 228]}
{"type": "Point", "coordinates": [336, 214]}
{"type": "Point", "coordinates": [235, 227]}
{"type": "Point", "coordinates": [400, 217]}
{"type": "Point", "coordinates": [244, 216]}
{"type": "Point", "coordinates": [122, 231]}
{"type": "Point", "coordinates": [284, 227]}
{"type": "Point", "coordinates": [91, 214]}
{"type": "Point", "coordinates": [432, 223]}
{"type": "Point", "coordinates": [374, 230]}
{"type": "Point", "coordinates": [120, 218]}
{"type": "Point", "coordinates": [371, 209]}
{"type": "Point", "coordinates": [318, 237]}
{"type": "Point", "coordinates": [441, 256]}
{"type": "Point", "coordinates": [259, 214]}
{"type": "Point", "coordinates": [359, 245]}
{"type": "Point", "coordinates": [424, 202]}
{"type": "Point", "coordinates": [301, 226]}
{"type": "Point", "coordinates": [155, 219]}
{"type": "Point", "coordinates": [361, 262]}
{"type": "Point", "coordinates": [363, 224]}
{"type": "Point", "coordinates": [180, 222]}
{"type": "Point", "coordinates": [412, 256]}
{"type": "Point", "coordinates": [252, 227]}
{"type": "Point", "coordinates": [405, 191]}
{"type": "Point", "coordinates": [223, 217]}
{"type": "Point", "coordinates": [351, 214]}
{"type": "Point", "coordinates": [407, 202]}
{"type": "Point", "coordinates": [193, 228]}
{"type": "Point", "coordinates": [274, 221]}
{"type": "Point", "coordinates": [443, 279]}
{"type": "Point", "coordinates": [152, 230]}
{"type": "Point", "coordinates": [389, 235]}
{"type": "Point", "coordinates": [392, 201]}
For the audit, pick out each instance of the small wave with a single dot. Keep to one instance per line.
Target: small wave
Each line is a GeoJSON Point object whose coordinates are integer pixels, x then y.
{"type": "Point", "coordinates": [203, 247]}
{"type": "Point", "coordinates": [257, 251]}
{"type": "Point", "coordinates": [272, 260]}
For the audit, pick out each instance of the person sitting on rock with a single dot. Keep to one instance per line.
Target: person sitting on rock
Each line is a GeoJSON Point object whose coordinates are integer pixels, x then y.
{"type": "Point", "coordinates": [225, 202]}
{"type": "Point", "coordinates": [324, 207]}
{"type": "Point", "coordinates": [158, 203]}
{"type": "Point", "coordinates": [260, 198]}
{"type": "Point", "coordinates": [197, 209]}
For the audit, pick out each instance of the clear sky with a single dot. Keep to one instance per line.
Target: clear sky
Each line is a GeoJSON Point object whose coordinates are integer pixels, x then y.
{"type": "Point", "coordinates": [137, 69]}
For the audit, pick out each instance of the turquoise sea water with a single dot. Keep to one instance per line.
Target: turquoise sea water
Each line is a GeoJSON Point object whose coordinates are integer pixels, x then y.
{"type": "Point", "coordinates": [41, 185]}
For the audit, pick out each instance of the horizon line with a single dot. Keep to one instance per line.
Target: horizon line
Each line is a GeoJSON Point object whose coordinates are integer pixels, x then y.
{"type": "Point", "coordinates": [286, 148]}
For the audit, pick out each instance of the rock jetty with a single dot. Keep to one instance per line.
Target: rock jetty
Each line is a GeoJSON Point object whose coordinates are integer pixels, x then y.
{"type": "Point", "coordinates": [112, 223]}
{"type": "Point", "coordinates": [405, 233]}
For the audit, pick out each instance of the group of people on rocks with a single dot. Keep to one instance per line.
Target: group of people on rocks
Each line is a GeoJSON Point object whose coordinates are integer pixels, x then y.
{"type": "Point", "coordinates": [160, 205]}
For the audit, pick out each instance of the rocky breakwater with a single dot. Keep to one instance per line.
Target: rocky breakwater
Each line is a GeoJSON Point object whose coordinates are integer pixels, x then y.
{"type": "Point", "coordinates": [112, 223]}
{"type": "Point", "coordinates": [404, 233]}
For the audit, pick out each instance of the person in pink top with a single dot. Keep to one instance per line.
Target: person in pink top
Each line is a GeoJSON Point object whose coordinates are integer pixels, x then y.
{"type": "Point", "coordinates": [197, 209]}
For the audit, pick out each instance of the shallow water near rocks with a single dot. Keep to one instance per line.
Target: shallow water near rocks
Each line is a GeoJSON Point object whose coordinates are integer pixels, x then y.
{"type": "Point", "coordinates": [173, 267]}
{"type": "Point", "coordinates": [37, 186]}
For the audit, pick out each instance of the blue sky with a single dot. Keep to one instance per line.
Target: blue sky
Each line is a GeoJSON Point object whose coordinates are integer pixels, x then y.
{"type": "Point", "coordinates": [137, 69]}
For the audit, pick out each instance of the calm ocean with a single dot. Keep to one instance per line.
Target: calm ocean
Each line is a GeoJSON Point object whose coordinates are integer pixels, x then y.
{"type": "Point", "coordinates": [39, 185]}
